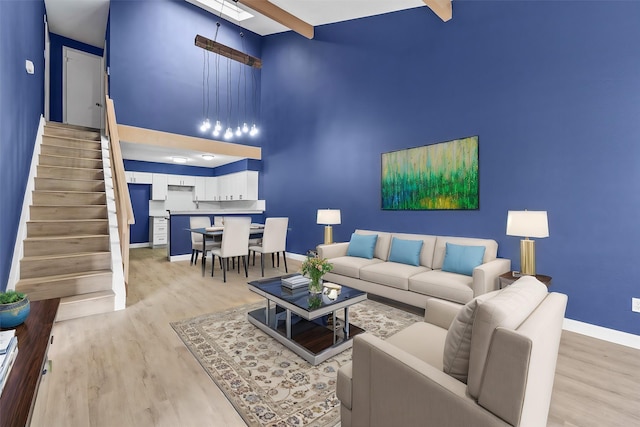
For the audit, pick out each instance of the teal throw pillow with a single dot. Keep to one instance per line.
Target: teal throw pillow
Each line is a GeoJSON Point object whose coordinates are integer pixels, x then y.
{"type": "Point", "coordinates": [462, 259]}
{"type": "Point", "coordinates": [362, 245]}
{"type": "Point", "coordinates": [405, 251]}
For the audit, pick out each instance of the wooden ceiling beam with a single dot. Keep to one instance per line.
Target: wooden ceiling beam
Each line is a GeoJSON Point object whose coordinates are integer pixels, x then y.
{"type": "Point", "coordinates": [229, 52]}
{"type": "Point", "coordinates": [281, 16]}
{"type": "Point", "coordinates": [442, 8]}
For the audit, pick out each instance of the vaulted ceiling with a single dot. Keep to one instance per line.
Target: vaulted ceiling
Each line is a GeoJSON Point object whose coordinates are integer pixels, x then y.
{"type": "Point", "coordinates": [86, 20]}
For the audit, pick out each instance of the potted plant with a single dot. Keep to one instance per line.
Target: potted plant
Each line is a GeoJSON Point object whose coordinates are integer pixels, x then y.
{"type": "Point", "coordinates": [315, 268]}
{"type": "Point", "coordinates": [14, 309]}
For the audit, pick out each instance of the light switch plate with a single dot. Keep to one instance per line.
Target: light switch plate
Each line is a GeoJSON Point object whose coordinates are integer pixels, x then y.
{"type": "Point", "coordinates": [28, 65]}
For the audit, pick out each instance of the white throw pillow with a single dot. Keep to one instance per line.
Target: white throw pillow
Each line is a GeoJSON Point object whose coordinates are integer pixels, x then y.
{"type": "Point", "coordinates": [457, 346]}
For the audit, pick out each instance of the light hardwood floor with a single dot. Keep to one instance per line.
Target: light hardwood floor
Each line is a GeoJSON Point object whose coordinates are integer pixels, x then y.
{"type": "Point", "coordinates": [129, 368]}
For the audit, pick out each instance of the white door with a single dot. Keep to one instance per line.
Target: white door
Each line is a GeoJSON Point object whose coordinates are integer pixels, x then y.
{"type": "Point", "coordinates": [82, 87]}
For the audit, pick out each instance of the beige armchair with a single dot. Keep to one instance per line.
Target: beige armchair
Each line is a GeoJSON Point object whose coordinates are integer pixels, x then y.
{"type": "Point", "coordinates": [489, 363]}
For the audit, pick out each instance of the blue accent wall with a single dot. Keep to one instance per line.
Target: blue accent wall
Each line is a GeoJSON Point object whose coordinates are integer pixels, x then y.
{"type": "Point", "coordinates": [57, 42]}
{"type": "Point", "coordinates": [140, 195]}
{"type": "Point", "coordinates": [551, 88]}
{"type": "Point", "coordinates": [156, 71]}
{"type": "Point", "coordinates": [21, 105]}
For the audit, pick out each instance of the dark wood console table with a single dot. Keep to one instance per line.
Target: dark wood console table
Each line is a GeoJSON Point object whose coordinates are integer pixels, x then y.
{"type": "Point", "coordinates": [34, 337]}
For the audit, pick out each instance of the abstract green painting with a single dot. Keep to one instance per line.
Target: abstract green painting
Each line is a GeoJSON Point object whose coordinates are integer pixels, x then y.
{"type": "Point", "coordinates": [436, 176]}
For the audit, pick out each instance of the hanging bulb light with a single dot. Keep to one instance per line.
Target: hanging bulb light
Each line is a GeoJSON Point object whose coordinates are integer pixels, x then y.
{"type": "Point", "coordinates": [228, 134]}
{"type": "Point", "coordinates": [245, 127]}
{"type": "Point", "coordinates": [203, 126]}
{"type": "Point", "coordinates": [216, 132]}
{"type": "Point", "coordinates": [254, 130]}
{"type": "Point", "coordinates": [218, 126]}
{"type": "Point", "coordinates": [238, 131]}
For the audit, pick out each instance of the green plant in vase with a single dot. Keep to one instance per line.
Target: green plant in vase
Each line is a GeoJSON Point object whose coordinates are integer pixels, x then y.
{"type": "Point", "coordinates": [314, 269]}
{"type": "Point", "coordinates": [14, 308]}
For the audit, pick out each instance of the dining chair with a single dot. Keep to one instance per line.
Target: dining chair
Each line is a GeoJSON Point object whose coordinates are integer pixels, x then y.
{"type": "Point", "coordinates": [235, 243]}
{"type": "Point", "coordinates": [196, 238]}
{"type": "Point", "coordinates": [274, 241]}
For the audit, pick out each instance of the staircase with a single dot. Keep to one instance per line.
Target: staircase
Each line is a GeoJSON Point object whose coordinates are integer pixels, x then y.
{"type": "Point", "coordinates": [66, 252]}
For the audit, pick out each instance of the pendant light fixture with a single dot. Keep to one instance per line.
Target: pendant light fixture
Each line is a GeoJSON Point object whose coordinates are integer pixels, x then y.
{"type": "Point", "coordinates": [206, 124]}
{"type": "Point", "coordinates": [244, 113]}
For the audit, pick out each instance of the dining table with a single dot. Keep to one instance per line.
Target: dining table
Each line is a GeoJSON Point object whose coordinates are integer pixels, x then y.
{"type": "Point", "coordinates": [256, 230]}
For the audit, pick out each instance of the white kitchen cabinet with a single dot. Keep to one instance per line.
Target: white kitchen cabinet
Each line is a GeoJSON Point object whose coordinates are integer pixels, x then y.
{"type": "Point", "coordinates": [211, 188]}
{"type": "Point", "coordinates": [138, 177]}
{"type": "Point", "coordinates": [199, 190]}
{"type": "Point", "coordinates": [159, 187]}
{"type": "Point", "coordinates": [181, 180]}
{"type": "Point", "coordinates": [158, 231]}
{"type": "Point", "coordinates": [238, 186]}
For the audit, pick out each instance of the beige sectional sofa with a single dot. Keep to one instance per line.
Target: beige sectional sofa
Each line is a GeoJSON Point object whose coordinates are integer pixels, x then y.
{"type": "Point", "coordinates": [410, 284]}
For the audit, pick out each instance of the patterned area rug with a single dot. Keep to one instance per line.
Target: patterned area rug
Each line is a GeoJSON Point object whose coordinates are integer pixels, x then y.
{"type": "Point", "coordinates": [268, 384]}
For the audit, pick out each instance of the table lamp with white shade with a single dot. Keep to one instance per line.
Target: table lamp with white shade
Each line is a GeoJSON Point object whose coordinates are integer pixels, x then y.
{"type": "Point", "coordinates": [527, 224]}
{"type": "Point", "coordinates": [328, 217]}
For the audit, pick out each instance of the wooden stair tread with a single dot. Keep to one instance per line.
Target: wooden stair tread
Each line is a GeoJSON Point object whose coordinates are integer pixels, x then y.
{"type": "Point", "coordinates": [71, 206]}
{"type": "Point", "coordinates": [86, 297]}
{"type": "Point", "coordinates": [66, 236]}
{"type": "Point", "coordinates": [68, 191]}
{"type": "Point", "coordinates": [51, 221]}
{"type": "Point", "coordinates": [61, 125]}
{"type": "Point", "coordinates": [71, 138]}
{"type": "Point", "coordinates": [71, 167]}
{"type": "Point", "coordinates": [97, 150]}
{"type": "Point", "coordinates": [59, 277]}
{"type": "Point", "coordinates": [63, 256]}
{"type": "Point", "coordinates": [71, 179]}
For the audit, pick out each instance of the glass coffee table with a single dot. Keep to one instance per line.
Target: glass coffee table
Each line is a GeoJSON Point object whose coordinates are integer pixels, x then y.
{"type": "Point", "coordinates": [303, 322]}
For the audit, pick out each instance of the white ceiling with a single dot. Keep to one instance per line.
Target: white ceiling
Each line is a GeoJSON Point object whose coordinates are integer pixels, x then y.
{"type": "Point", "coordinates": [86, 21]}
{"type": "Point", "coordinates": [318, 12]}
{"type": "Point", "coordinates": [159, 154]}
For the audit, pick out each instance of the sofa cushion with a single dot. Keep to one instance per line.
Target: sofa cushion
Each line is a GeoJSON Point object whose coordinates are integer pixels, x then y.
{"type": "Point", "coordinates": [405, 251]}
{"type": "Point", "coordinates": [462, 259]}
{"type": "Point", "coordinates": [508, 309]}
{"type": "Point", "coordinates": [391, 274]}
{"type": "Point", "coordinates": [428, 246]}
{"type": "Point", "coordinates": [350, 266]}
{"type": "Point", "coordinates": [382, 244]}
{"type": "Point", "coordinates": [490, 253]}
{"type": "Point", "coordinates": [444, 285]}
{"type": "Point", "coordinates": [422, 340]}
{"type": "Point", "coordinates": [362, 245]}
{"type": "Point", "coordinates": [457, 346]}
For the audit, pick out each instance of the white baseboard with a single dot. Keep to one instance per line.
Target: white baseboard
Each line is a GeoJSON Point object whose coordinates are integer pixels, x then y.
{"type": "Point", "coordinates": [599, 332]}
{"type": "Point", "coordinates": [139, 245]}
{"type": "Point", "coordinates": [25, 215]}
{"type": "Point", "coordinates": [297, 257]}
{"type": "Point", "coordinates": [185, 257]}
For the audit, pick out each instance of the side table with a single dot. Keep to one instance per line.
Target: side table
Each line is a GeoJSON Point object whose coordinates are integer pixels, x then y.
{"type": "Point", "coordinates": [508, 278]}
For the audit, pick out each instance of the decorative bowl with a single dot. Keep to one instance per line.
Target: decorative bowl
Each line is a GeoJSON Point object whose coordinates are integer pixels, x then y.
{"type": "Point", "coordinates": [14, 314]}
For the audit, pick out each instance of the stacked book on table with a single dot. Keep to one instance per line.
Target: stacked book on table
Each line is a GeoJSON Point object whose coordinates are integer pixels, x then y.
{"type": "Point", "coordinates": [8, 353]}
{"type": "Point", "coordinates": [295, 282]}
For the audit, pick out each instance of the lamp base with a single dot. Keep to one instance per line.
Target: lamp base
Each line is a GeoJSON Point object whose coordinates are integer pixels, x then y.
{"type": "Point", "coordinates": [528, 257]}
{"type": "Point", "coordinates": [328, 234]}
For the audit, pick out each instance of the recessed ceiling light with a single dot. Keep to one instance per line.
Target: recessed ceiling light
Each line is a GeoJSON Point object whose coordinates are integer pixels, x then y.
{"type": "Point", "coordinates": [179, 159]}
{"type": "Point", "coordinates": [207, 156]}
{"type": "Point", "coordinates": [226, 8]}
